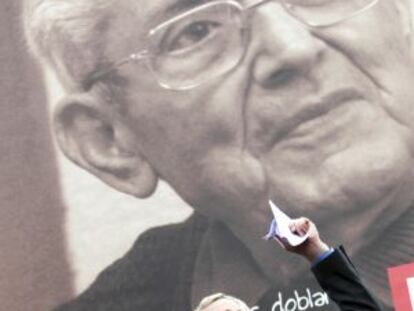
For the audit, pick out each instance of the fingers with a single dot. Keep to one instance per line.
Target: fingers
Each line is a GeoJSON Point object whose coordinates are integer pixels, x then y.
{"type": "Point", "coordinates": [300, 226]}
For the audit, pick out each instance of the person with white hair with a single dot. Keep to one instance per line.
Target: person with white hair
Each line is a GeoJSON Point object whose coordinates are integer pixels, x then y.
{"type": "Point", "coordinates": [232, 103]}
{"type": "Point", "coordinates": [221, 302]}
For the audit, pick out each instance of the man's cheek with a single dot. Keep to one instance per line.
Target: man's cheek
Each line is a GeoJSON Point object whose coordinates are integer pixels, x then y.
{"type": "Point", "coordinates": [369, 44]}
{"type": "Point", "coordinates": [387, 64]}
{"type": "Point", "coordinates": [399, 106]}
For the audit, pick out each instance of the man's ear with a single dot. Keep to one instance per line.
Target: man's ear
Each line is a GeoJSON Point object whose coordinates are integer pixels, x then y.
{"type": "Point", "coordinates": [92, 135]}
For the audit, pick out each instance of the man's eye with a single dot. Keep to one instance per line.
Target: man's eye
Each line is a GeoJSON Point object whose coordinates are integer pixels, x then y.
{"type": "Point", "coordinates": [191, 35]}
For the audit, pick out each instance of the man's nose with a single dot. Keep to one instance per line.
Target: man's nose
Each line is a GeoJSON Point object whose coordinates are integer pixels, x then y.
{"type": "Point", "coordinates": [282, 47]}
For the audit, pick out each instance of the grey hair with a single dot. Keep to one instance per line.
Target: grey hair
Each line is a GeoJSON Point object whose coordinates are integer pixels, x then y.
{"type": "Point", "coordinates": [207, 301]}
{"type": "Point", "coordinates": [68, 35]}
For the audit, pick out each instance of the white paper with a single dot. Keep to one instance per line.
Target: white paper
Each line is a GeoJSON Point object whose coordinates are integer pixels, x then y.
{"type": "Point", "coordinates": [282, 230]}
{"type": "Point", "coordinates": [410, 284]}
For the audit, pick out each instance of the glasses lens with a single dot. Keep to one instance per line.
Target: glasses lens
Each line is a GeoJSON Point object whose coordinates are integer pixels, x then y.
{"type": "Point", "coordinates": [326, 12]}
{"type": "Point", "coordinates": [198, 45]}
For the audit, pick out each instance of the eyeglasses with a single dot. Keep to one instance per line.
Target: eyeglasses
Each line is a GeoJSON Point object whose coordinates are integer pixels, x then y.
{"type": "Point", "coordinates": [210, 40]}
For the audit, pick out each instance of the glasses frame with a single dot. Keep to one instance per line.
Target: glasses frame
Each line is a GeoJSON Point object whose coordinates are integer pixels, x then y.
{"type": "Point", "coordinates": [145, 54]}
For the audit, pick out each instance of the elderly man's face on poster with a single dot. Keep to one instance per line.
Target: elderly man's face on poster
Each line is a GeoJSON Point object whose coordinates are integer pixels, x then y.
{"type": "Point", "coordinates": [233, 103]}
{"type": "Point", "coordinates": [306, 104]}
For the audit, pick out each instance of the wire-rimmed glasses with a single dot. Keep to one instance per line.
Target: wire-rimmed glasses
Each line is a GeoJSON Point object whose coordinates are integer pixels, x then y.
{"type": "Point", "coordinates": [210, 40]}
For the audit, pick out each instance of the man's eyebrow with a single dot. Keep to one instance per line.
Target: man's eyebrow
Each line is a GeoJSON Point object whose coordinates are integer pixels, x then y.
{"type": "Point", "coordinates": [166, 11]}
{"type": "Point", "coordinates": [181, 5]}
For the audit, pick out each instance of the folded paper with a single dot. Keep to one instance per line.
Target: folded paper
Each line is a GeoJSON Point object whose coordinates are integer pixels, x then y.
{"type": "Point", "coordinates": [279, 228]}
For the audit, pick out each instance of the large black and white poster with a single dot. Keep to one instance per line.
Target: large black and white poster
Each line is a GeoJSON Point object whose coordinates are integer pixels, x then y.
{"type": "Point", "coordinates": [141, 141]}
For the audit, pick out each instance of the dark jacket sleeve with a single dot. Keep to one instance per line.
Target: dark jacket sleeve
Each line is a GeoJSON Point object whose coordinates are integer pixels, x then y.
{"type": "Point", "coordinates": [339, 279]}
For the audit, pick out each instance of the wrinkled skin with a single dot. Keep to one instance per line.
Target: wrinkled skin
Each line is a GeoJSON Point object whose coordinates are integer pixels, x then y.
{"type": "Point", "coordinates": [318, 120]}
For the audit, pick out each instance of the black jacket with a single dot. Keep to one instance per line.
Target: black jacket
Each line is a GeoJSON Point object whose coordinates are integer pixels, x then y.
{"type": "Point", "coordinates": [338, 277]}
